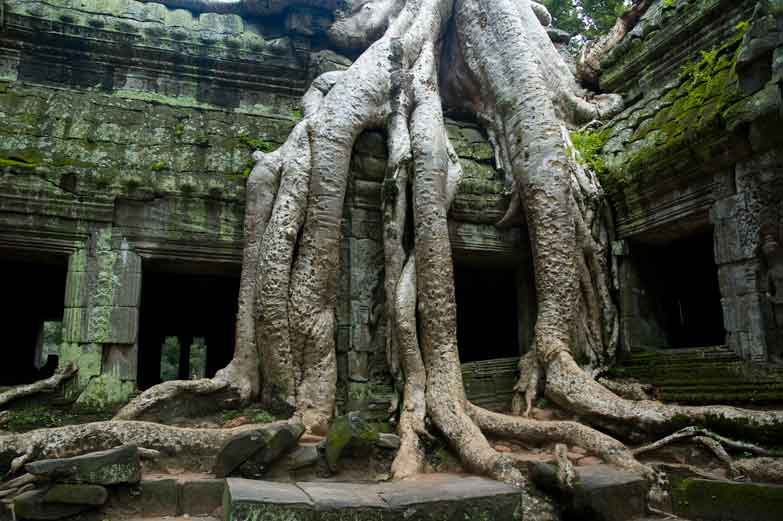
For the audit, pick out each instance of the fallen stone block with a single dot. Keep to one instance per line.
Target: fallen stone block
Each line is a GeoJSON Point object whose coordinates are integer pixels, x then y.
{"type": "Point", "coordinates": [31, 505]}
{"type": "Point", "coordinates": [108, 467]}
{"type": "Point", "coordinates": [601, 492]}
{"type": "Point", "coordinates": [301, 457]}
{"type": "Point", "coordinates": [77, 494]}
{"type": "Point", "coordinates": [255, 450]}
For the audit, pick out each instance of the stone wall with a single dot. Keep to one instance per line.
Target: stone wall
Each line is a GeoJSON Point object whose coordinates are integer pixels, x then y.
{"type": "Point", "coordinates": [126, 140]}
{"type": "Point", "coordinates": [698, 147]}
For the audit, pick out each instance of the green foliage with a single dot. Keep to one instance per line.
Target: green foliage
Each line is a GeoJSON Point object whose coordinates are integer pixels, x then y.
{"type": "Point", "coordinates": [588, 17]}
{"type": "Point", "coordinates": [589, 144]}
{"type": "Point", "coordinates": [169, 359]}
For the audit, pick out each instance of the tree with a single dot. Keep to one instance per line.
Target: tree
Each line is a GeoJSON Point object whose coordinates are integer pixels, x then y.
{"type": "Point", "coordinates": [591, 18]}
{"type": "Point", "coordinates": [496, 60]}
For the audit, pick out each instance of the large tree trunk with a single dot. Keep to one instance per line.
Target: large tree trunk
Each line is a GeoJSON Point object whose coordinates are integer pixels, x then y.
{"type": "Point", "coordinates": [513, 79]}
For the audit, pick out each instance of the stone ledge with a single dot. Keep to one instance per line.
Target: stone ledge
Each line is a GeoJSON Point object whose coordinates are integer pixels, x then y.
{"type": "Point", "coordinates": [436, 497]}
{"type": "Point", "coordinates": [721, 500]}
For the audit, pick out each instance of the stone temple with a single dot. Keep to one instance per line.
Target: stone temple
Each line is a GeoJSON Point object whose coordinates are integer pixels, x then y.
{"type": "Point", "coordinates": [127, 129]}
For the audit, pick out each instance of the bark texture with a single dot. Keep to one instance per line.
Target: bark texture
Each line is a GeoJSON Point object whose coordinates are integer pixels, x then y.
{"type": "Point", "coordinates": [494, 59]}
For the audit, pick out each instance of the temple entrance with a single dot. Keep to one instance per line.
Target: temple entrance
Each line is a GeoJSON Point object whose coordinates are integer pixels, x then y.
{"type": "Point", "coordinates": [31, 307]}
{"type": "Point", "coordinates": [678, 291]}
{"type": "Point", "coordinates": [186, 322]}
{"type": "Point", "coordinates": [487, 314]}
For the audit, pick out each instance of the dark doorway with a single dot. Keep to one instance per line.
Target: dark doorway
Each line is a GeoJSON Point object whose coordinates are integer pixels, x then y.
{"type": "Point", "coordinates": [487, 318]}
{"type": "Point", "coordinates": [33, 294]}
{"type": "Point", "coordinates": [187, 311]}
{"type": "Point", "coordinates": [680, 282]}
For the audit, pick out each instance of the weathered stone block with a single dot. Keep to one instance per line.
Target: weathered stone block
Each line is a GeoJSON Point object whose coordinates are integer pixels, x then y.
{"type": "Point", "coordinates": [721, 500]}
{"type": "Point", "coordinates": [31, 505]}
{"type": "Point", "coordinates": [255, 450]}
{"type": "Point", "coordinates": [301, 457]}
{"type": "Point", "coordinates": [201, 497]}
{"type": "Point", "coordinates": [610, 494]}
{"type": "Point", "coordinates": [76, 494]}
{"type": "Point", "coordinates": [108, 467]}
{"type": "Point", "coordinates": [352, 431]}
{"type": "Point", "coordinates": [443, 499]}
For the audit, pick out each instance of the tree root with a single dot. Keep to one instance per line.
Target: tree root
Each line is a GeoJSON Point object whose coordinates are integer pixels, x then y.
{"type": "Point", "coordinates": [768, 470]}
{"type": "Point", "coordinates": [193, 448]}
{"type": "Point", "coordinates": [178, 398]}
{"type": "Point", "coordinates": [628, 389]}
{"type": "Point", "coordinates": [62, 374]}
{"type": "Point", "coordinates": [690, 432]}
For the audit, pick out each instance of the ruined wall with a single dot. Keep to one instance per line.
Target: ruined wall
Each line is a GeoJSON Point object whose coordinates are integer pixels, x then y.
{"type": "Point", "coordinates": [126, 140]}
{"type": "Point", "coordinates": [699, 147]}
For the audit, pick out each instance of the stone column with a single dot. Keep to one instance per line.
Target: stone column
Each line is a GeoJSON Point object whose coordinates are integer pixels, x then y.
{"type": "Point", "coordinates": [100, 321]}
{"type": "Point", "coordinates": [740, 216]}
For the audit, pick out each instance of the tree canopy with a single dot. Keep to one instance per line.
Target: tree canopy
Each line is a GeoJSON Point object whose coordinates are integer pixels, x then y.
{"type": "Point", "coordinates": [588, 17]}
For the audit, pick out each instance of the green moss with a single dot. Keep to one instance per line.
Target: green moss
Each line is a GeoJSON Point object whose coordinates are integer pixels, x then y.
{"type": "Point", "coordinates": [12, 163]}
{"type": "Point", "coordinates": [159, 166]}
{"type": "Point", "coordinates": [692, 112]}
{"type": "Point", "coordinates": [254, 414]}
{"type": "Point", "coordinates": [589, 144]}
{"type": "Point", "coordinates": [37, 416]}
{"type": "Point", "coordinates": [257, 144]}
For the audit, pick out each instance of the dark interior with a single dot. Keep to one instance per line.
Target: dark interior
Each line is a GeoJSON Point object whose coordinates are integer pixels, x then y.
{"type": "Point", "coordinates": [487, 319]}
{"type": "Point", "coordinates": [681, 278]}
{"type": "Point", "coordinates": [185, 306]}
{"type": "Point", "coordinates": [33, 292]}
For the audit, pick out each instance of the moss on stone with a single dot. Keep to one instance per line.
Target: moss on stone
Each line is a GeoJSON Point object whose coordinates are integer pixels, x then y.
{"type": "Point", "coordinates": [691, 112]}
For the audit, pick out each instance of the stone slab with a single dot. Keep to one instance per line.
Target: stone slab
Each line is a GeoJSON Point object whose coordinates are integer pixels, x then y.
{"type": "Point", "coordinates": [441, 498]}
{"type": "Point", "coordinates": [240, 490]}
{"type": "Point", "coordinates": [201, 497]}
{"type": "Point", "coordinates": [727, 500]}
{"type": "Point", "coordinates": [405, 494]}
{"type": "Point", "coordinates": [76, 494]}
{"type": "Point", "coordinates": [610, 494]}
{"type": "Point", "coordinates": [31, 505]}
{"type": "Point", "coordinates": [106, 467]}
{"type": "Point", "coordinates": [345, 496]}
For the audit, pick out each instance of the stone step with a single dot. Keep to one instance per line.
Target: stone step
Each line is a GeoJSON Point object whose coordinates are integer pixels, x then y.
{"type": "Point", "coordinates": [436, 497]}
{"type": "Point", "coordinates": [727, 500]}
{"type": "Point", "coordinates": [191, 495]}
{"type": "Point", "coordinates": [703, 376]}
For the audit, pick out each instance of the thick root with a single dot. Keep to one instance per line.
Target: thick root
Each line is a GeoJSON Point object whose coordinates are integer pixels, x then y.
{"type": "Point", "coordinates": [571, 433]}
{"type": "Point", "coordinates": [769, 470]}
{"type": "Point", "coordinates": [573, 389]}
{"type": "Point", "coordinates": [50, 384]}
{"type": "Point", "coordinates": [178, 398]}
{"type": "Point", "coordinates": [193, 448]}
{"type": "Point", "coordinates": [526, 388]}
{"type": "Point", "coordinates": [410, 457]}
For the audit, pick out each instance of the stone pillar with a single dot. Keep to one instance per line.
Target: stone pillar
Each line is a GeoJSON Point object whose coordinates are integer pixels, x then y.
{"type": "Point", "coordinates": [100, 321]}
{"type": "Point", "coordinates": [740, 216]}
{"type": "Point", "coordinates": [363, 382]}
